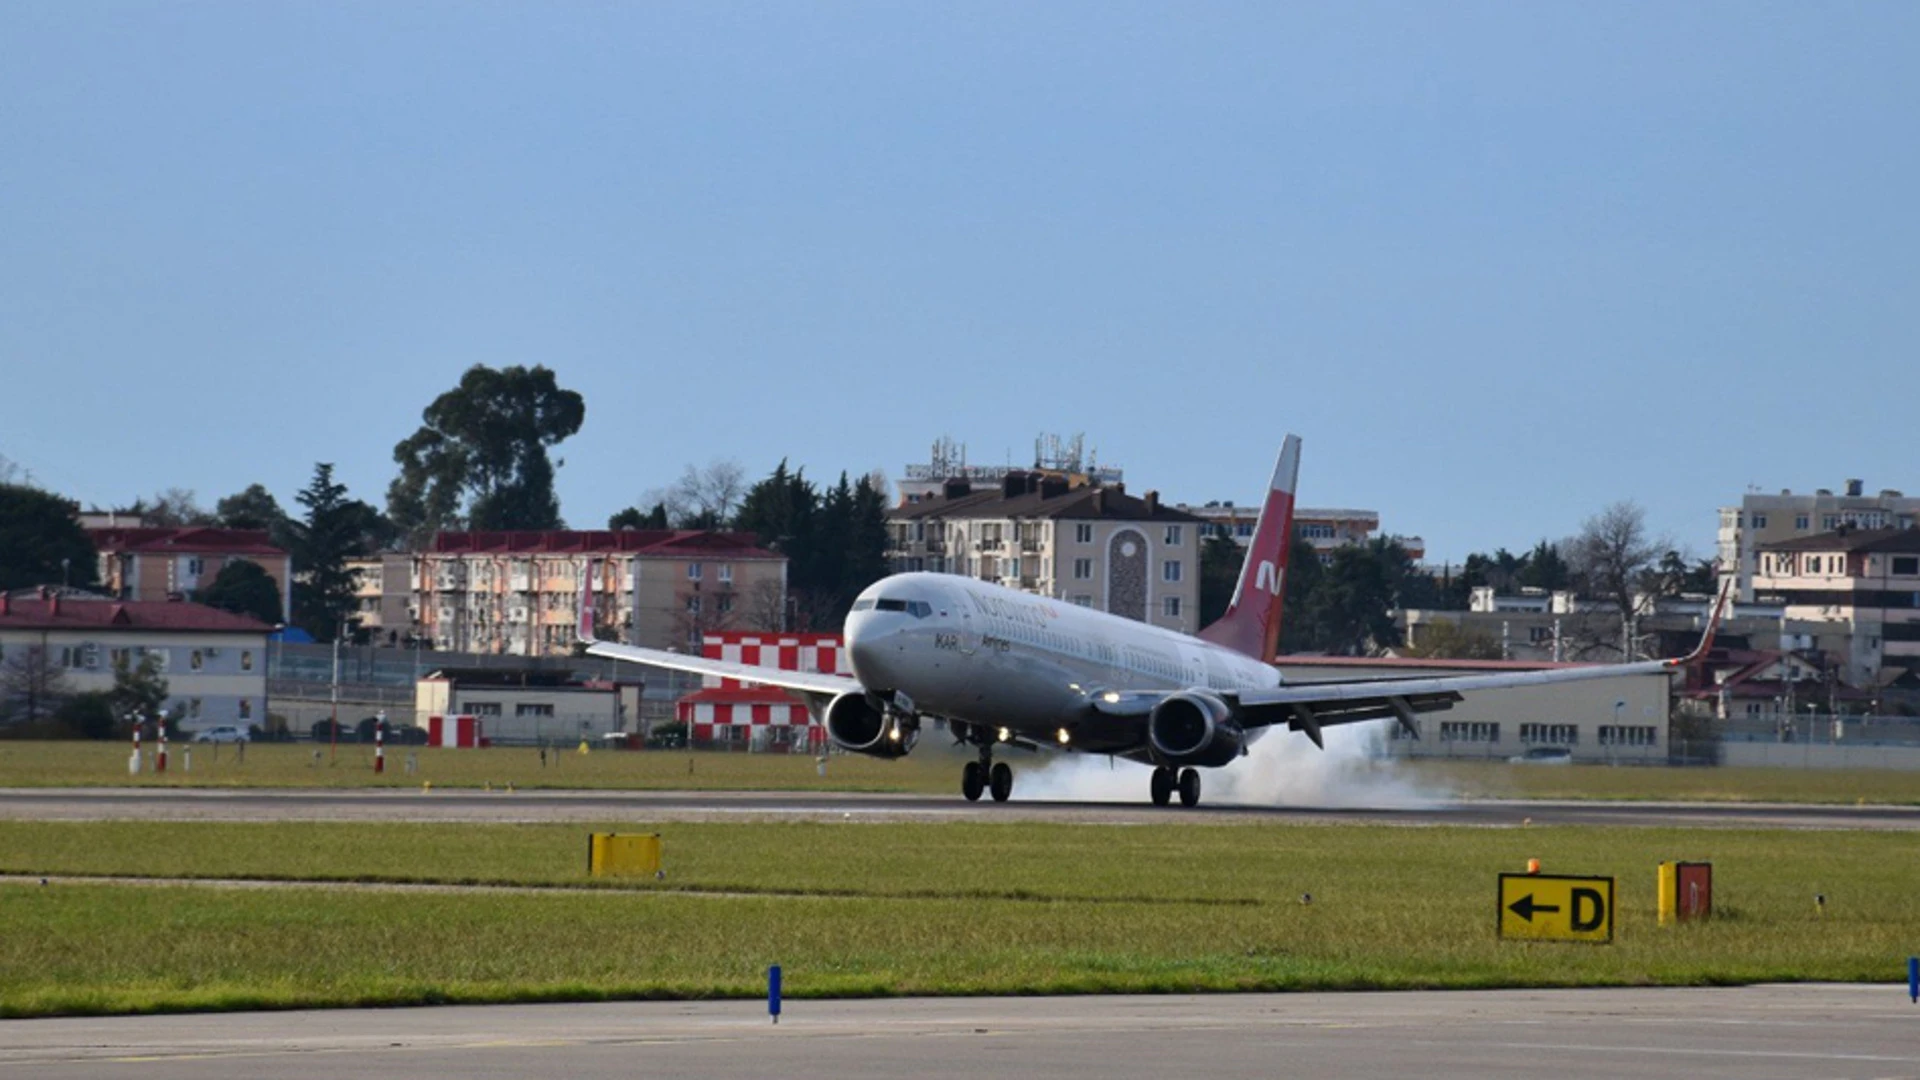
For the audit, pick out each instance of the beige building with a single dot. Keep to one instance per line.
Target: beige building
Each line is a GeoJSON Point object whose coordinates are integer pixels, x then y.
{"type": "Point", "coordinates": [1092, 545]}
{"type": "Point", "coordinates": [385, 610]}
{"type": "Point", "coordinates": [519, 593]}
{"type": "Point", "coordinates": [1325, 529]}
{"type": "Point", "coordinates": [158, 564]}
{"type": "Point", "coordinates": [214, 661]}
{"type": "Point", "coordinates": [1857, 591]}
{"type": "Point", "coordinates": [1762, 520]}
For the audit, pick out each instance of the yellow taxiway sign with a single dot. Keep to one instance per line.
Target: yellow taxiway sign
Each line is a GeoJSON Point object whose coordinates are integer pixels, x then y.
{"type": "Point", "coordinates": [1556, 907]}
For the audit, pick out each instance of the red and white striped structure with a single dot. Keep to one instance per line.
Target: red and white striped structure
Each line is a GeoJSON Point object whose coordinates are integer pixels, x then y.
{"type": "Point", "coordinates": [456, 731]}
{"type": "Point", "coordinates": [727, 703]}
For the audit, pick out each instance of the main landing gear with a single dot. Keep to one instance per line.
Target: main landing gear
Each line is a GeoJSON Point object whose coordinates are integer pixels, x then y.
{"type": "Point", "coordinates": [986, 775]}
{"type": "Point", "coordinates": [1166, 781]}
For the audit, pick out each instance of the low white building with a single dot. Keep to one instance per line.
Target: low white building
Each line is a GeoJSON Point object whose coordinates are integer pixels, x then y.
{"type": "Point", "coordinates": [214, 661]}
{"type": "Point", "coordinates": [529, 706]}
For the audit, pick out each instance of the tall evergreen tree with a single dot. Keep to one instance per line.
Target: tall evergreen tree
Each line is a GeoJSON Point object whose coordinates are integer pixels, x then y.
{"type": "Point", "coordinates": [330, 535]}
{"type": "Point", "coordinates": [244, 588]}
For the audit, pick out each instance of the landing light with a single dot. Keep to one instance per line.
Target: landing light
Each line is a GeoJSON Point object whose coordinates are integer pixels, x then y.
{"type": "Point", "coordinates": [1065, 737]}
{"type": "Point", "coordinates": [1005, 734]}
{"type": "Point", "coordinates": [894, 733]}
{"type": "Point", "coordinates": [1111, 697]}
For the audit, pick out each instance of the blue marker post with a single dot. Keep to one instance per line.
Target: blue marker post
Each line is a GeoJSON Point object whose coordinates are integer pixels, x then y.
{"type": "Point", "coordinates": [773, 992]}
{"type": "Point", "coordinates": [1913, 978]}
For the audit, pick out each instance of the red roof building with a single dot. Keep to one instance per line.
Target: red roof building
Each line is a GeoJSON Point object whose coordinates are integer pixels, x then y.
{"type": "Point", "coordinates": [151, 564]}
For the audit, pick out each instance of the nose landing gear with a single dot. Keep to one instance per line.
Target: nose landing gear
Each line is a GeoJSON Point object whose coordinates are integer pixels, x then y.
{"type": "Point", "coordinates": [985, 776]}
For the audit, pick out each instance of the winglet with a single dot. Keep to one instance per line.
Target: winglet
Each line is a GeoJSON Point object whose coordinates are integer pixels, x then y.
{"type": "Point", "coordinates": [588, 586]}
{"type": "Point", "coordinates": [1699, 652]}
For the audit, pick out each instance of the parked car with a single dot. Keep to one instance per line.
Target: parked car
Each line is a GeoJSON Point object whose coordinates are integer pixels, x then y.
{"type": "Point", "coordinates": [1544, 755]}
{"type": "Point", "coordinates": [328, 731]}
{"type": "Point", "coordinates": [221, 733]}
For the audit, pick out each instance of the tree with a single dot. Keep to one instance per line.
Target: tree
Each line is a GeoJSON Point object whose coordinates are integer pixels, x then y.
{"type": "Point", "coordinates": [632, 518]}
{"type": "Point", "coordinates": [1545, 569]}
{"type": "Point", "coordinates": [244, 588]}
{"type": "Point", "coordinates": [32, 688]}
{"type": "Point", "coordinates": [1610, 556]}
{"type": "Point", "coordinates": [1451, 641]}
{"type": "Point", "coordinates": [1220, 562]}
{"type": "Point", "coordinates": [41, 542]}
{"type": "Point", "coordinates": [704, 498]}
{"type": "Point", "coordinates": [480, 455]}
{"type": "Point", "coordinates": [255, 508]}
{"type": "Point", "coordinates": [323, 598]}
{"type": "Point", "coordinates": [174, 508]}
{"type": "Point", "coordinates": [139, 690]}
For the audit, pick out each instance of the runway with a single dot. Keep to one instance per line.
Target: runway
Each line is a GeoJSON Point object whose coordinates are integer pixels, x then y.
{"type": "Point", "coordinates": [184, 804]}
{"type": "Point", "coordinates": [1751, 1033]}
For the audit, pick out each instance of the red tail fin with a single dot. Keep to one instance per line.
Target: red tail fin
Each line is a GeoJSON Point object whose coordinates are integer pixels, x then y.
{"type": "Point", "coordinates": [1252, 622]}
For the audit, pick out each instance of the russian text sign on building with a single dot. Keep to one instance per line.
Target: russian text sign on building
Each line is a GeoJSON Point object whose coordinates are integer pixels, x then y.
{"type": "Point", "coordinates": [1555, 907]}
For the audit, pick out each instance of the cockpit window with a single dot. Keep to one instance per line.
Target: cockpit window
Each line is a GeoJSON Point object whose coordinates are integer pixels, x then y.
{"type": "Point", "coordinates": [863, 605]}
{"type": "Point", "coordinates": [919, 609]}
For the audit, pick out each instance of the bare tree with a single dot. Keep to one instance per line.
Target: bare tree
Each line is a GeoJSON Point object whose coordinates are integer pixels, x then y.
{"type": "Point", "coordinates": [705, 498]}
{"type": "Point", "coordinates": [1611, 557]}
{"type": "Point", "coordinates": [176, 508]}
{"type": "Point", "coordinates": [31, 686]}
{"type": "Point", "coordinates": [12, 473]}
{"type": "Point", "coordinates": [764, 606]}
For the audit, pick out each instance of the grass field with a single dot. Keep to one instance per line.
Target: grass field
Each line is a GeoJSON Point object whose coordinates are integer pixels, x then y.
{"type": "Point", "coordinates": [892, 908]}
{"type": "Point", "coordinates": [89, 764]}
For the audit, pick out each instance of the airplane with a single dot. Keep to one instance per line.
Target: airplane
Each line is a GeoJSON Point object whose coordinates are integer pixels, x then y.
{"type": "Point", "coordinates": [1002, 667]}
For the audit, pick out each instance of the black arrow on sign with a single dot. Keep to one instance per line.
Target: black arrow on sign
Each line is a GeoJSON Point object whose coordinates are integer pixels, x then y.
{"type": "Point", "coordinates": [1525, 907]}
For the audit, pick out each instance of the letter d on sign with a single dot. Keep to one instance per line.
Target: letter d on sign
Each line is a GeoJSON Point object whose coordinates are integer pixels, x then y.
{"type": "Point", "coordinates": [1589, 910]}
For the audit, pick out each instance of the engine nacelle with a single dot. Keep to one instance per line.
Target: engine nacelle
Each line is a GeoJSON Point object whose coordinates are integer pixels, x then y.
{"type": "Point", "coordinates": [1194, 728]}
{"type": "Point", "coordinates": [854, 723]}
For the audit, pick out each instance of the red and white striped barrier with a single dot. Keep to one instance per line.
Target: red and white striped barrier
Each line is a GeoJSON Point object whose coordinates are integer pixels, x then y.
{"type": "Point", "coordinates": [463, 732]}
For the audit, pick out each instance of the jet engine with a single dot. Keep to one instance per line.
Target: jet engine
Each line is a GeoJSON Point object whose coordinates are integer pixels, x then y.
{"type": "Point", "coordinates": [854, 722]}
{"type": "Point", "coordinates": [1194, 728]}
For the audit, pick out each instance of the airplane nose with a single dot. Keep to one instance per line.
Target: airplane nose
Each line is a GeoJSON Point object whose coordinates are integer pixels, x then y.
{"type": "Point", "coordinates": [867, 653]}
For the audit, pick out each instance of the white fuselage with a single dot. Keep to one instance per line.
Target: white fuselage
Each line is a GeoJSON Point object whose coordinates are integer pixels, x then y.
{"type": "Point", "coordinates": [964, 649]}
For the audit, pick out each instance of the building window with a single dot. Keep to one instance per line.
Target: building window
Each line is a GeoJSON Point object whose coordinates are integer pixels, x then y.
{"type": "Point", "coordinates": [1083, 569]}
{"type": "Point", "coordinates": [1626, 735]}
{"type": "Point", "coordinates": [1083, 533]}
{"type": "Point", "coordinates": [483, 708]}
{"type": "Point", "coordinates": [1469, 731]}
{"type": "Point", "coordinates": [1759, 521]}
{"type": "Point", "coordinates": [1801, 522]}
{"type": "Point", "coordinates": [1550, 734]}
{"type": "Point", "coordinates": [1170, 570]}
{"type": "Point", "coordinates": [1171, 605]}
{"type": "Point", "coordinates": [533, 709]}
{"type": "Point", "coordinates": [246, 659]}
{"type": "Point", "coordinates": [693, 571]}
{"type": "Point", "coordinates": [1173, 536]}
{"type": "Point", "coordinates": [246, 708]}
{"type": "Point", "coordinates": [193, 708]}
{"type": "Point", "coordinates": [197, 661]}
{"type": "Point", "coordinates": [724, 605]}
{"type": "Point", "coordinates": [693, 605]}
{"type": "Point", "coordinates": [726, 573]}
{"type": "Point", "coordinates": [1083, 600]}
{"type": "Point", "coordinates": [1317, 531]}
{"type": "Point", "coordinates": [1539, 635]}
{"type": "Point", "coordinates": [195, 566]}
{"type": "Point", "coordinates": [1906, 565]}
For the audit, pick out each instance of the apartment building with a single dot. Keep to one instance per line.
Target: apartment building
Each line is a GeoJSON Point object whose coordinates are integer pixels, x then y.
{"type": "Point", "coordinates": [214, 661]}
{"type": "Point", "coordinates": [383, 597]}
{"type": "Point", "coordinates": [1326, 529]}
{"type": "Point", "coordinates": [1762, 520]}
{"type": "Point", "coordinates": [1093, 545]}
{"type": "Point", "coordinates": [154, 564]}
{"type": "Point", "coordinates": [1859, 589]}
{"type": "Point", "coordinates": [519, 593]}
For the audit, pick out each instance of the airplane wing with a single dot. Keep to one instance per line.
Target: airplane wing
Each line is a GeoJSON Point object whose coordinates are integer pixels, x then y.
{"type": "Point", "coordinates": [806, 682]}
{"type": "Point", "coordinates": [1309, 707]}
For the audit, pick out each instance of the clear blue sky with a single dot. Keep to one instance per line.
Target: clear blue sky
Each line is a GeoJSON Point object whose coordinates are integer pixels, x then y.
{"type": "Point", "coordinates": [1499, 264]}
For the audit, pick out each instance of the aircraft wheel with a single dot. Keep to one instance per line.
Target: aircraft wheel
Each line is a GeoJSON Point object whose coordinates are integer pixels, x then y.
{"type": "Point", "coordinates": [1001, 781]}
{"type": "Point", "coordinates": [1162, 786]}
{"type": "Point", "coordinates": [973, 781]}
{"type": "Point", "coordinates": [1189, 787]}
